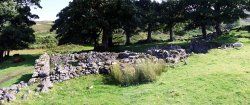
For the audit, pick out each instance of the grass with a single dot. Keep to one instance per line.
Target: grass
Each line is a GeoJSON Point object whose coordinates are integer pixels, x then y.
{"type": "Point", "coordinates": [232, 37]}
{"type": "Point", "coordinates": [145, 47]}
{"type": "Point", "coordinates": [132, 74]}
{"type": "Point", "coordinates": [42, 26]}
{"type": "Point", "coordinates": [12, 73]}
{"type": "Point", "coordinates": [220, 77]}
{"type": "Point", "coordinates": [67, 49]}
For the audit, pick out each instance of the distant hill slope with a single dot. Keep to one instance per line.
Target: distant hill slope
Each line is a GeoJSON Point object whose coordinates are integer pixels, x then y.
{"type": "Point", "coordinates": [42, 26]}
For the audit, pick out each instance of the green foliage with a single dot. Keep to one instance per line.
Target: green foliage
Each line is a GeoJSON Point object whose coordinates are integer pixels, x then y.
{"type": "Point", "coordinates": [48, 41]}
{"type": "Point", "coordinates": [203, 13]}
{"type": "Point", "coordinates": [84, 19]}
{"type": "Point", "coordinates": [143, 72]}
{"type": "Point", "coordinates": [149, 11]}
{"type": "Point", "coordinates": [123, 77]}
{"type": "Point", "coordinates": [148, 70]}
{"type": "Point", "coordinates": [67, 49]}
{"type": "Point", "coordinates": [171, 14]}
{"type": "Point", "coordinates": [16, 37]}
{"type": "Point", "coordinates": [15, 21]}
{"type": "Point", "coordinates": [130, 19]}
{"type": "Point", "coordinates": [43, 37]}
{"type": "Point", "coordinates": [7, 11]}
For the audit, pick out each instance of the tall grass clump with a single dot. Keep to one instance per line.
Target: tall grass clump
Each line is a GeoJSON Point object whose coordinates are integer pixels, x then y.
{"type": "Point", "coordinates": [143, 71]}
{"type": "Point", "coordinates": [126, 76]}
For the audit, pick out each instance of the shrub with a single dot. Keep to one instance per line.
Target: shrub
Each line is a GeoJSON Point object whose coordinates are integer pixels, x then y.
{"type": "Point", "coordinates": [45, 40]}
{"type": "Point", "coordinates": [142, 72]}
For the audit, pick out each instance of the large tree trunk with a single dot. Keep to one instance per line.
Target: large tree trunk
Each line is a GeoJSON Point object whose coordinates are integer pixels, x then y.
{"type": "Point", "coordinates": [218, 28]}
{"type": "Point", "coordinates": [110, 40]}
{"type": "Point", "coordinates": [204, 31]}
{"type": "Point", "coordinates": [105, 39]}
{"type": "Point", "coordinates": [149, 38]}
{"type": "Point", "coordinates": [218, 22]}
{"type": "Point", "coordinates": [128, 35]}
{"type": "Point", "coordinates": [95, 38]}
{"type": "Point", "coordinates": [1, 55]}
{"type": "Point", "coordinates": [171, 32]}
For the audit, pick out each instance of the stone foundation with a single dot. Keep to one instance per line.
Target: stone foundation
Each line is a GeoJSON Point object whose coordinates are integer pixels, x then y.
{"type": "Point", "coordinates": [63, 67]}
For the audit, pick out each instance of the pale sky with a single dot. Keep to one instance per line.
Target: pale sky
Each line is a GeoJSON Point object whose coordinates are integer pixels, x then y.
{"type": "Point", "coordinates": [51, 8]}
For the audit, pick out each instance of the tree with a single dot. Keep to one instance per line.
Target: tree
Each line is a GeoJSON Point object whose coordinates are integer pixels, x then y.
{"type": "Point", "coordinates": [199, 13]}
{"type": "Point", "coordinates": [129, 19]}
{"type": "Point", "coordinates": [203, 13]}
{"type": "Point", "coordinates": [171, 14]}
{"type": "Point", "coordinates": [73, 21]}
{"type": "Point", "coordinates": [15, 31]}
{"type": "Point", "coordinates": [84, 19]}
{"type": "Point", "coordinates": [150, 16]}
{"type": "Point", "coordinates": [7, 11]}
{"type": "Point", "coordinates": [87, 19]}
{"type": "Point", "coordinates": [228, 11]}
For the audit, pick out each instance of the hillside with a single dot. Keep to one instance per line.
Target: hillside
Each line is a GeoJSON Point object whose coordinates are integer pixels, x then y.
{"type": "Point", "coordinates": [42, 26]}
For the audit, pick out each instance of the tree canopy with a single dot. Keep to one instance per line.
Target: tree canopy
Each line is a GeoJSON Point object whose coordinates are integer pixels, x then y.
{"type": "Point", "coordinates": [15, 22]}
{"type": "Point", "coordinates": [204, 13]}
{"type": "Point", "coordinates": [84, 21]}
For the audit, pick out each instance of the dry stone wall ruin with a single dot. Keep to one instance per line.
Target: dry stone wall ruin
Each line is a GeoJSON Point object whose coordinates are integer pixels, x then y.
{"type": "Point", "coordinates": [50, 69]}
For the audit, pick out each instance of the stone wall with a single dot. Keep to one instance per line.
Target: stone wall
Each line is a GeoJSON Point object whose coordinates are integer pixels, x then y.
{"type": "Point", "coordinates": [170, 53]}
{"type": "Point", "coordinates": [8, 94]}
{"type": "Point", "coordinates": [201, 45]}
{"type": "Point", "coordinates": [40, 74]}
{"type": "Point", "coordinates": [62, 67]}
{"type": "Point", "coordinates": [42, 69]}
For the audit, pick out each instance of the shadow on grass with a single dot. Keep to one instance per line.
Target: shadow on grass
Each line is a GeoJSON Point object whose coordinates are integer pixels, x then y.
{"type": "Point", "coordinates": [227, 38]}
{"type": "Point", "coordinates": [24, 78]}
{"type": "Point", "coordinates": [108, 80]}
{"type": "Point", "coordinates": [244, 28]}
{"type": "Point", "coordinates": [142, 47]}
{"type": "Point", "coordinates": [29, 61]}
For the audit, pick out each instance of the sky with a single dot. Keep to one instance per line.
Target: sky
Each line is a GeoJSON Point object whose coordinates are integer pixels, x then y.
{"type": "Point", "coordinates": [51, 8]}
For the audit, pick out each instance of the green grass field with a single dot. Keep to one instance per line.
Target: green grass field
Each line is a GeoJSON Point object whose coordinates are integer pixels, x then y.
{"type": "Point", "coordinates": [219, 77]}
{"type": "Point", "coordinates": [12, 73]}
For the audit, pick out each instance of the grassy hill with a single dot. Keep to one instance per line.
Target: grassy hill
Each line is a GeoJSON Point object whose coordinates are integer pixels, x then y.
{"type": "Point", "coordinates": [44, 38]}
{"type": "Point", "coordinates": [219, 77]}
{"type": "Point", "coordinates": [42, 26]}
